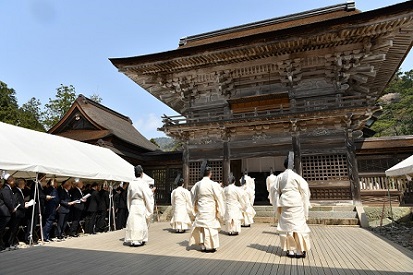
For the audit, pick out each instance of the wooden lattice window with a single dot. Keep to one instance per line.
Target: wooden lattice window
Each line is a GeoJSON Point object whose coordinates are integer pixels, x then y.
{"type": "Point", "coordinates": [164, 182]}
{"type": "Point", "coordinates": [159, 176]}
{"type": "Point", "coordinates": [375, 164]}
{"type": "Point", "coordinates": [325, 167]}
{"type": "Point", "coordinates": [195, 167]}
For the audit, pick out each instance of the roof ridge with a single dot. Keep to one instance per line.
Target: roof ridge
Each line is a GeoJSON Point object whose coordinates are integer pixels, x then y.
{"type": "Point", "coordinates": [348, 6]}
{"type": "Point", "coordinates": [86, 100]}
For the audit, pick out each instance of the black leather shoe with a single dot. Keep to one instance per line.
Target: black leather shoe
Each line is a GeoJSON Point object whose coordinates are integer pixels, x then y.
{"type": "Point", "coordinates": [289, 255]}
{"type": "Point", "coordinates": [302, 255]}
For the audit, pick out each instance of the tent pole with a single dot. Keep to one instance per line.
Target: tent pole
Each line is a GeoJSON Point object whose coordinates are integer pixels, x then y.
{"type": "Point", "coordinates": [113, 209]}
{"type": "Point", "coordinates": [110, 206]}
{"type": "Point", "coordinates": [40, 215]}
{"type": "Point", "coordinates": [33, 210]}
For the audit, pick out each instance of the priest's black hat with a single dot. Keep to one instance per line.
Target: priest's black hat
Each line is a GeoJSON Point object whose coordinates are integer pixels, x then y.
{"type": "Point", "coordinates": [204, 168]}
{"type": "Point", "coordinates": [178, 180]}
{"type": "Point", "coordinates": [138, 170]}
{"type": "Point", "coordinates": [231, 178]}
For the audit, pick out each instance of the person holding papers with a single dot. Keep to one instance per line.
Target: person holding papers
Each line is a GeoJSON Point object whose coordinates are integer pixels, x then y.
{"type": "Point", "coordinates": [64, 208]}
{"type": "Point", "coordinates": [19, 214]}
{"type": "Point", "coordinates": [77, 208]}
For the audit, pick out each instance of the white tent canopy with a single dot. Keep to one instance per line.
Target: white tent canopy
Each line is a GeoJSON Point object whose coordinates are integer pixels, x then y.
{"type": "Point", "coordinates": [24, 150]}
{"type": "Point", "coordinates": [403, 168]}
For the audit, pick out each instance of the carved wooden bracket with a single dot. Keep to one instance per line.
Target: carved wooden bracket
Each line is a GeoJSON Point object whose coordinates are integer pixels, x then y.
{"type": "Point", "coordinates": [225, 83]}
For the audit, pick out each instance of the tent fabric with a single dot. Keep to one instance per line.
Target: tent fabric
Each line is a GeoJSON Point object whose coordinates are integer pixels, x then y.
{"type": "Point", "coordinates": [28, 151]}
{"type": "Point", "coordinates": [402, 168]}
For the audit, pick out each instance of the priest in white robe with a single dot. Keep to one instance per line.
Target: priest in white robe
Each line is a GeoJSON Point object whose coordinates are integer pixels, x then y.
{"type": "Point", "coordinates": [290, 196]}
{"type": "Point", "coordinates": [235, 204]}
{"type": "Point", "coordinates": [270, 181]}
{"type": "Point", "coordinates": [181, 208]}
{"type": "Point", "coordinates": [209, 210]}
{"type": "Point", "coordinates": [140, 203]}
{"type": "Point", "coordinates": [248, 187]}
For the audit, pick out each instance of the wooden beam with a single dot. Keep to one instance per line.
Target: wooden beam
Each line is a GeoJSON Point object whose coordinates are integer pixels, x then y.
{"type": "Point", "coordinates": [226, 163]}
{"type": "Point", "coordinates": [185, 165]}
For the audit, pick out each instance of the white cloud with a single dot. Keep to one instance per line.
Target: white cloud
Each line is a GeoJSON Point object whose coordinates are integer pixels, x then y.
{"type": "Point", "coordinates": [148, 124]}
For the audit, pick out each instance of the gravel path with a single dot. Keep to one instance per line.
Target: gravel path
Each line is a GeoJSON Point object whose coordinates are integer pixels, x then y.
{"type": "Point", "coordinates": [401, 234]}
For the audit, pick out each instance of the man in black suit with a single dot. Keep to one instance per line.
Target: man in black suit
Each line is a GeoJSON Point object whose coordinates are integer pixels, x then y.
{"type": "Point", "coordinates": [121, 207]}
{"type": "Point", "coordinates": [19, 214]}
{"type": "Point", "coordinates": [7, 205]}
{"type": "Point", "coordinates": [103, 209]}
{"type": "Point", "coordinates": [77, 208]}
{"type": "Point", "coordinates": [93, 206]}
{"type": "Point", "coordinates": [64, 208]}
{"type": "Point", "coordinates": [50, 215]}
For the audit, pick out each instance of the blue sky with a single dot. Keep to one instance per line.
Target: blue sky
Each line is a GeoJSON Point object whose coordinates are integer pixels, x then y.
{"type": "Point", "coordinates": [45, 43]}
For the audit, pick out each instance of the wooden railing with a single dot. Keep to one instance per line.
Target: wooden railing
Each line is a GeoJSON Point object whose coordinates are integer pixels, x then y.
{"type": "Point", "coordinates": [304, 106]}
{"type": "Point", "coordinates": [381, 182]}
{"type": "Point", "coordinates": [379, 189]}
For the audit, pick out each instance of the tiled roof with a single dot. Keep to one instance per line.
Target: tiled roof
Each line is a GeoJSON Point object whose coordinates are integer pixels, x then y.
{"type": "Point", "coordinates": [108, 121]}
{"type": "Point", "coordinates": [273, 24]}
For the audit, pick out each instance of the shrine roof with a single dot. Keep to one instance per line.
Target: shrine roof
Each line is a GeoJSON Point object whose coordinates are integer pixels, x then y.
{"type": "Point", "coordinates": [273, 24]}
{"type": "Point", "coordinates": [320, 39]}
{"type": "Point", "coordinates": [240, 37]}
{"type": "Point", "coordinates": [105, 121]}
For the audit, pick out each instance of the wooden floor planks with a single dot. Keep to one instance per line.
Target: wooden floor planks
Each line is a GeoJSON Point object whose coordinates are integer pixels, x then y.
{"type": "Point", "coordinates": [335, 250]}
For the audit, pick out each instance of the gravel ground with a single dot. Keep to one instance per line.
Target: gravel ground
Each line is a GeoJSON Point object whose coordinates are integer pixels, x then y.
{"type": "Point", "coordinates": [400, 233]}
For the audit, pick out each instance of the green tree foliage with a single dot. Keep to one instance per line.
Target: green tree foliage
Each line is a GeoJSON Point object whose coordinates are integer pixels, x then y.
{"type": "Point", "coordinates": [397, 103]}
{"type": "Point", "coordinates": [154, 142]}
{"type": "Point", "coordinates": [56, 108]}
{"type": "Point", "coordinates": [96, 98]}
{"type": "Point", "coordinates": [30, 115]}
{"type": "Point", "coordinates": [167, 144]}
{"type": "Point", "coordinates": [8, 105]}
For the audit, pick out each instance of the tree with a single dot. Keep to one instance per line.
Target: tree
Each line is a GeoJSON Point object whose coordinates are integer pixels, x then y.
{"type": "Point", "coordinates": [397, 103]}
{"type": "Point", "coordinates": [56, 108]}
{"type": "Point", "coordinates": [30, 115]}
{"type": "Point", "coordinates": [8, 105]}
{"type": "Point", "coordinates": [96, 98]}
{"type": "Point", "coordinates": [154, 142]}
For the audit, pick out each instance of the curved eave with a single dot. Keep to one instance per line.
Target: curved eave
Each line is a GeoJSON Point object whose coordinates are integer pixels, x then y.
{"type": "Point", "coordinates": [337, 24]}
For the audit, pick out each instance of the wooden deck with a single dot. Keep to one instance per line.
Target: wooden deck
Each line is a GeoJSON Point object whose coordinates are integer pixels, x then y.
{"type": "Point", "coordinates": [336, 250]}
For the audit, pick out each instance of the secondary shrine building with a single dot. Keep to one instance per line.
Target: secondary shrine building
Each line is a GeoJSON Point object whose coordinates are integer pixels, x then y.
{"type": "Point", "coordinates": [306, 83]}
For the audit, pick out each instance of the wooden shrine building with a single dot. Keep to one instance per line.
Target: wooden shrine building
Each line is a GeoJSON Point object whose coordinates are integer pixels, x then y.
{"type": "Point", "coordinates": [305, 83]}
{"type": "Point", "coordinates": [94, 123]}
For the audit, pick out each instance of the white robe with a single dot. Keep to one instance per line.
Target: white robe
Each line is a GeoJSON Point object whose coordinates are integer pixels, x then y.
{"type": "Point", "coordinates": [140, 204]}
{"type": "Point", "coordinates": [181, 207]}
{"type": "Point", "coordinates": [249, 197]}
{"type": "Point", "coordinates": [270, 181]}
{"type": "Point", "coordinates": [290, 196]}
{"type": "Point", "coordinates": [235, 203]}
{"type": "Point", "coordinates": [209, 209]}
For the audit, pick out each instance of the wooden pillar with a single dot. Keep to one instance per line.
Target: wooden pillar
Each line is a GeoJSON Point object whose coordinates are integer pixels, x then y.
{"type": "Point", "coordinates": [352, 167]}
{"type": "Point", "coordinates": [185, 165]}
{"type": "Point", "coordinates": [296, 147]}
{"type": "Point", "coordinates": [226, 163]}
